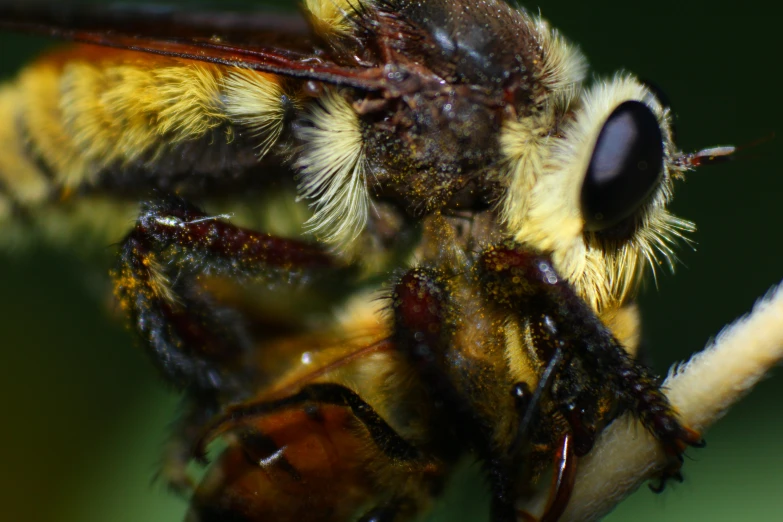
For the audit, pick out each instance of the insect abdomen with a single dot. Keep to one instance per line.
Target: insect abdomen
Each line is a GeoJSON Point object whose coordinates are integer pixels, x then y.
{"type": "Point", "coordinates": [78, 118]}
{"type": "Point", "coordinates": [93, 123]}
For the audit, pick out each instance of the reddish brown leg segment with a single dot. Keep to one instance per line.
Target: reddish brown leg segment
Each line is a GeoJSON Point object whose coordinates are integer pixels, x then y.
{"type": "Point", "coordinates": [595, 365]}
{"type": "Point", "coordinates": [197, 343]}
{"type": "Point", "coordinates": [423, 324]}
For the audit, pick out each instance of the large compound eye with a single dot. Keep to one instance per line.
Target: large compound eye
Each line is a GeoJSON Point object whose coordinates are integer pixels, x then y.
{"type": "Point", "coordinates": [626, 166]}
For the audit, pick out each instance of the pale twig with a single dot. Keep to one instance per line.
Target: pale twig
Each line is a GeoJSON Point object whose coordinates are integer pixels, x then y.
{"type": "Point", "coordinates": [626, 455]}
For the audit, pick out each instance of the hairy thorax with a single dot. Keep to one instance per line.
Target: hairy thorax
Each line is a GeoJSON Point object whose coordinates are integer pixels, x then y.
{"type": "Point", "coordinates": [433, 150]}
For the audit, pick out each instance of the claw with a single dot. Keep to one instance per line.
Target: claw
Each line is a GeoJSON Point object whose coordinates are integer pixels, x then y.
{"type": "Point", "coordinates": [673, 471]}
{"type": "Point", "coordinates": [665, 477]}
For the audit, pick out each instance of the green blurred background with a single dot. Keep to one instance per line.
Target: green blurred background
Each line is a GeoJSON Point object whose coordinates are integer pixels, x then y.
{"type": "Point", "coordinates": [84, 416]}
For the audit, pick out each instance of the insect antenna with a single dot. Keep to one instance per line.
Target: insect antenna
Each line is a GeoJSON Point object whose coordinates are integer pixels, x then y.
{"type": "Point", "coordinates": [720, 154]}
{"type": "Point", "coordinates": [705, 157]}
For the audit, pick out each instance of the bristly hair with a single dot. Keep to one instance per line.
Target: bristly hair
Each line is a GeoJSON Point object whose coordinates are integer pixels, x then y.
{"type": "Point", "coordinates": [332, 170]}
{"type": "Point", "coordinates": [524, 142]}
{"type": "Point", "coordinates": [259, 102]}
{"type": "Point", "coordinates": [333, 17]}
{"type": "Point", "coordinates": [564, 66]}
{"type": "Point", "coordinates": [124, 112]}
{"type": "Point", "coordinates": [604, 272]}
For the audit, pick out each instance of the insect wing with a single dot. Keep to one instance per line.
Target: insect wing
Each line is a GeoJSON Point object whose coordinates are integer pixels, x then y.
{"type": "Point", "coordinates": [201, 38]}
{"type": "Point", "coordinates": [262, 28]}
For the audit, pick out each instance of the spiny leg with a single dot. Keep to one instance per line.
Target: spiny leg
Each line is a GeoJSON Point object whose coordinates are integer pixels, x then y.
{"type": "Point", "coordinates": [597, 367]}
{"type": "Point", "coordinates": [564, 469]}
{"type": "Point", "coordinates": [198, 344]}
{"type": "Point", "coordinates": [423, 316]}
{"type": "Point", "coordinates": [385, 437]}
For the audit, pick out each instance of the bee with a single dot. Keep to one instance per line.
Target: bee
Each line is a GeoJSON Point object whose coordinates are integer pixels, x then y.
{"type": "Point", "coordinates": [461, 179]}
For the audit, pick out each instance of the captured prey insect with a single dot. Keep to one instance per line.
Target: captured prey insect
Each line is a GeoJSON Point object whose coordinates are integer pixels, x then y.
{"type": "Point", "coordinates": [479, 221]}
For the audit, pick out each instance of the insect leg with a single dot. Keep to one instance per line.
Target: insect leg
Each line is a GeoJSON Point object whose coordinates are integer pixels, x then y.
{"type": "Point", "coordinates": [423, 318]}
{"type": "Point", "coordinates": [384, 436]}
{"type": "Point", "coordinates": [598, 366]}
{"type": "Point", "coordinates": [197, 344]}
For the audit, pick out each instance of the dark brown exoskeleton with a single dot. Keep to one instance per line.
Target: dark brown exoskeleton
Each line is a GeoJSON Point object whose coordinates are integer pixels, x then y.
{"type": "Point", "coordinates": [454, 163]}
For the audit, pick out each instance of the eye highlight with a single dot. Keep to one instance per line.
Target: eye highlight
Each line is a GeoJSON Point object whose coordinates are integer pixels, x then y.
{"type": "Point", "coordinates": [626, 166]}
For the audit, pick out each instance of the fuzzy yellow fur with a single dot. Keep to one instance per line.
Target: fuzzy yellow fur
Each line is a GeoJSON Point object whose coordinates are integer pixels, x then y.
{"type": "Point", "coordinates": [78, 110]}
{"type": "Point", "coordinates": [255, 100]}
{"type": "Point", "coordinates": [41, 115]}
{"type": "Point", "coordinates": [332, 170]}
{"type": "Point", "coordinates": [564, 66]}
{"type": "Point", "coordinates": [83, 110]}
{"type": "Point", "coordinates": [123, 113]}
{"type": "Point", "coordinates": [331, 17]}
{"type": "Point", "coordinates": [521, 356]}
{"type": "Point", "coordinates": [542, 208]}
{"type": "Point", "coordinates": [18, 175]}
{"type": "Point", "coordinates": [524, 142]}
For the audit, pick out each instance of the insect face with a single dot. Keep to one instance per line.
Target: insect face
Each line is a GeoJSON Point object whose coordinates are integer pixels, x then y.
{"type": "Point", "coordinates": [532, 201]}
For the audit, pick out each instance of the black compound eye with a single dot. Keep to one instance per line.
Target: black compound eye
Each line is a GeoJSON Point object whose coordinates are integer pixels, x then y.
{"type": "Point", "coordinates": [626, 166]}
